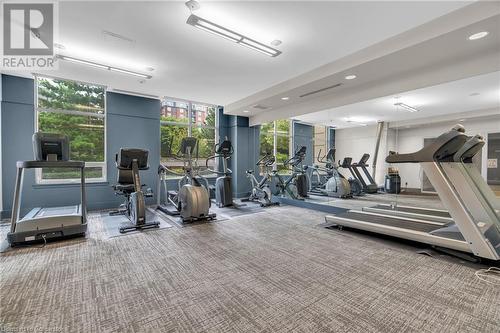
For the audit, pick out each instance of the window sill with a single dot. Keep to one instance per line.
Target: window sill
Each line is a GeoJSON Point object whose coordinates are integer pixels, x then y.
{"type": "Point", "coordinates": [56, 185]}
{"type": "Point", "coordinates": [206, 177]}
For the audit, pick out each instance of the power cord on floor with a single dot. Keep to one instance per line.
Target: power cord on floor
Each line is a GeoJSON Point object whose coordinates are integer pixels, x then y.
{"type": "Point", "coordinates": [489, 275]}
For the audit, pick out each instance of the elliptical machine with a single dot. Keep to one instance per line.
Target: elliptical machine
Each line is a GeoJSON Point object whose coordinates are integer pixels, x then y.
{"type": "Point", "coordinates": [336, 185]}
{"type": "Point", "coordinates": [260, 189]}
{"type": "Point", "coordinates": [296, 186]}
{"type": "Point", "coordinates": [223, 184]}
{"type": "Point", "coordinates": [191, 201]}
{"type": "Point", "coordinates": [128, 162]}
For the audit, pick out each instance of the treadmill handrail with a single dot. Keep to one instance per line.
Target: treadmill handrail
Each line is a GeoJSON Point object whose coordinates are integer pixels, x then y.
{"type": "Point", "coordinates": [441, 150]}
{"type": "Point", "coordinates": [469, 149]}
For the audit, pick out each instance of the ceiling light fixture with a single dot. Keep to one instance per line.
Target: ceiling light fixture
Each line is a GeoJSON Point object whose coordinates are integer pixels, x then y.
{"type": "Point", "coordinates": [285, 98]}
{"type": "Point", "coordinates": [246, 111]}
{"type": "Point", "coordinates": [406, 106]}
{"type": "Point", "coordinates": [350, 77]}
{"type": "Point", "coordinates": [225, 33]}
{"type": "Point", "coordinates": [101, 66]}
{"type": "Point", "coordinates": [478, 35]}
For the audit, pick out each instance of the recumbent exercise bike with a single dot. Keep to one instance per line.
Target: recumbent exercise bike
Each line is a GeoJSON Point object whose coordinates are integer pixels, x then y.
{"type": "Point", "coordinates": [128, 162]}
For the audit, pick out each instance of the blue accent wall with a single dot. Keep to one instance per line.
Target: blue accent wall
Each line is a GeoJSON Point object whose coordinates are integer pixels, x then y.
{"type": "Point", "coordinates": [245, 139]}
{"type": "Point", "coordinates": [331, 137]}
{"type": "Point", "coordinates": [303, 135]}
{"type": "Point", "coordinates": [131, 121]}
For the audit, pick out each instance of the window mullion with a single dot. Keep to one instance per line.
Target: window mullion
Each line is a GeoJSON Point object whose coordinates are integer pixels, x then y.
{"type": "Point", "coordinates": [190, 119]}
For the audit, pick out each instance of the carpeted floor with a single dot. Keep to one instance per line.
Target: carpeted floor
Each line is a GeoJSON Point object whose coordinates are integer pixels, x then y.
{"type": "Point", "coordinates": [273, 271]}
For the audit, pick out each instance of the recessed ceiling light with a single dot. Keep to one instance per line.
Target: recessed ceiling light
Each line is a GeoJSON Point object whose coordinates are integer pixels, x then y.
{"type": "Point", "coordinates": [478, 35]}
{"type": "Point", "coordinates": [246, 111]}
{"type": "Point", "coordinates": [285, 98]}
{"type": "Point", "coordinates": [276, 42]}
{"type": "Point", "coordinates": [350, 77]}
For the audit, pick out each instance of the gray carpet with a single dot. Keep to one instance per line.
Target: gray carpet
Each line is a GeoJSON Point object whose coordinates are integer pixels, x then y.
{"type": "Point", "coordinates": [273, 271]}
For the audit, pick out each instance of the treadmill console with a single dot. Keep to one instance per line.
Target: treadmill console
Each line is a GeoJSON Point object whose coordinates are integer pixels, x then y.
{"type": "Point", "coordinates": [50, 147]}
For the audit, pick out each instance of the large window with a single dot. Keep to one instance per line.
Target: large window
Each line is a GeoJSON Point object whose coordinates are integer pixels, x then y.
{"type": "Point", "coordinates": [180, 119]}
{"type": "Point", "coordinates": [275, 140]}
{"type": "Point", "coordinates": [77, 110]}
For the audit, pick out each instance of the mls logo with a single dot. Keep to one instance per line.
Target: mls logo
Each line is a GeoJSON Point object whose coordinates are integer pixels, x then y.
{"type": "Point", "coordinates": [28, 29]}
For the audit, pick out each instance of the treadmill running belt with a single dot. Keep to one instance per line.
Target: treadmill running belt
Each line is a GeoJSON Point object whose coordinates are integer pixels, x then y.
{"type": "Point", "coordinates": [422, 211]}
{"type": "Point", "coordinates": [390, 221]}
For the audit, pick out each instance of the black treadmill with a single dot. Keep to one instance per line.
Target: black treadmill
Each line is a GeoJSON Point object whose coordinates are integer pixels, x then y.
{"type": "Point", "coordinates": [369, 185]}
{"type": "Point", "coordinates": [467, 235]}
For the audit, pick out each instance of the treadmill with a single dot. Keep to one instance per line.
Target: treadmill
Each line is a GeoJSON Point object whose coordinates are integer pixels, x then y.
{"type": "Point", "coordinates": [476, 227]}
{"type": "Point", "coordinates": [51, 151]}
{"type": "Point", "coordinates": [464, 155]}
{"type": "Point", "coordinates": [369, 185]}
{"type": "Point", "coordinates": [436, 215]}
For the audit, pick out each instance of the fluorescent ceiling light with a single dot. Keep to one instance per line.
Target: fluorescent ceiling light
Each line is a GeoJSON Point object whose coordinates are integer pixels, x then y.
{"type": "Point", "coordinates": [124, 71]}
{"type": "Point", "coordinates": [258, 45]}
{"type": "Point", "coordinates": [83, 62]}
{"type": "Point", "coordinates": [225, 33]}
{"type": "Point", "coordinates": [350, 77]}
{"type": "Point", "coordinates": [478, 35]}
{"type": "Point", "coordinates": [406, 106]}
{"type": "Point", "coordinates": [101, 66]}
{"type": "Point", "coordinates": [285, 98]}
{"type": "Point", "coordinates": [216, 33]}
{"type": "Point", "coordinates": [246, 111]}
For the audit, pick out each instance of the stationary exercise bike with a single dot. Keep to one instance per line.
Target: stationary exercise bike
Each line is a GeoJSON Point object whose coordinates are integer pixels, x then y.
{"type": "Point", "coordinates": [260, 189]}
{"type": "Point", "coordinates": [223, 184]}
{"type": "Point", "coordinates": [191, 200]}
{"type": "Point", "coordinates": [296, 186]}
{"type": "Point", "coordinates": [336, 185]}
{"type": "Point", "coordinates": [128, 162]}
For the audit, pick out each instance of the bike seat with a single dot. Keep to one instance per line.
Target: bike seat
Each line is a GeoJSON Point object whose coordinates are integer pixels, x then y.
{"type": "Point", "coordinates": [124, 187]}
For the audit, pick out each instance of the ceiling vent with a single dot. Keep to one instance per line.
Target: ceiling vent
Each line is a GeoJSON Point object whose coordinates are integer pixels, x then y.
{"type": "Point", "coordinates": [260, 107]}
{"type": "Point", "coordinates": [321, 90]}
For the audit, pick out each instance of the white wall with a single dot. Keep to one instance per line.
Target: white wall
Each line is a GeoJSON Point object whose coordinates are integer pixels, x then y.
{"type": "Point", "coordinates": [1, 187]}
{"type": "Point", "coordinates": [354, 142]}
{"type": "Point", "coordinates": [412, 139]}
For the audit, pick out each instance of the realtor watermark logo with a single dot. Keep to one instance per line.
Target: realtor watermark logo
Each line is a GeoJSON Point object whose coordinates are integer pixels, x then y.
{"type": "Point", "coordinates": [28, 32]}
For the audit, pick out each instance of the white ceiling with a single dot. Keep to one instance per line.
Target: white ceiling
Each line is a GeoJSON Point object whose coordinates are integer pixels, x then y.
{"type": "Point", "coordinates": [430, 54]}
{"type": "Point", "coordinates": [444, 99]}
{"type": "Point", "coordinates": [192, 64]}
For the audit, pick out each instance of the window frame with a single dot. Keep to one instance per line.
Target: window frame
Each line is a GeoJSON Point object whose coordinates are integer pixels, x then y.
{"type": "Point", "coordinates": [275, 135]}
{"type": "Point", "coordinates": [190, 125]}
{"type": "Point", "coordinates": [103, 165]}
